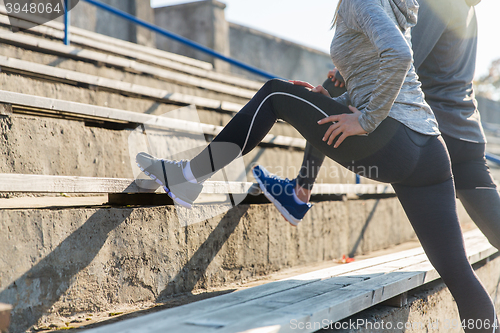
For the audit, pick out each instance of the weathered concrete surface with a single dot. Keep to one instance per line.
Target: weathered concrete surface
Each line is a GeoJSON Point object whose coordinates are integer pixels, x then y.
{"type": "Point", "coordinates": [114, 73]}
{"type": "Point", "coordinates": [277, 56]}
{"type": "Point", "coordinates": [204, 22]}
{"type": "Point", "coordinates": [67, 261]}
{"type": "Point", "coordinates": [431, 308]}
{"type": "Point", "coordinates": [91, 18]}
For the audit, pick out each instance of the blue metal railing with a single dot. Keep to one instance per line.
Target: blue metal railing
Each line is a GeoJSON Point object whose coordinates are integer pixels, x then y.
{"type": "Point", "coordinates": [493, 158]}
{"type": "Point", "coordinates": [67, 22]}
{"type": "Point", "coordinates": [167, 34]}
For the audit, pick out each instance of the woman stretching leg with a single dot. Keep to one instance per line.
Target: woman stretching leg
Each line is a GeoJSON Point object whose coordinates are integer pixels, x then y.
{"type": "Point", "coordinates": [404, 146]}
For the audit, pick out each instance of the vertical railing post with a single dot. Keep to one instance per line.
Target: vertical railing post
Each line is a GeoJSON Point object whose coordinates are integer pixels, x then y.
{"type": "Point", "coordinates": [67, 22]}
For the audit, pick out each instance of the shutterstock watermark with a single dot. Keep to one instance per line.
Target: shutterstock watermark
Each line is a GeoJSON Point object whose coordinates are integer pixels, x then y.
{"type": "Point", "coordinates": [437, 325]}
{"type": "Point", "coordinates": [34, 12]}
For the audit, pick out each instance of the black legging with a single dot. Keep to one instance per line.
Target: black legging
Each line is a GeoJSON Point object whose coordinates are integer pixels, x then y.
{"type": "Point", "coordinates": [417, 166]}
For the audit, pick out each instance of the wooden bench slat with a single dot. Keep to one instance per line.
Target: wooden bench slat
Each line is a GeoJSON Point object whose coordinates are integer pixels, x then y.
{"type": "Point", "coordinates": [356, 266]}
{"type": "Point", "coordinates": [243, 311]}
{"type": "Point", "coordinates": [75, 184]}
{"type": "Point", "coordinates": [303, 300]}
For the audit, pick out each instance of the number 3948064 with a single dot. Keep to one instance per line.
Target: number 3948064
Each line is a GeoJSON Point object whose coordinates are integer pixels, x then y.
{"type": "Point", "coordinates": [32, 8]}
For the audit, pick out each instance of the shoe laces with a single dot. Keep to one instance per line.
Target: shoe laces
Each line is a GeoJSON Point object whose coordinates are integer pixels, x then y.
{"type": "Point", "coordinates": [179, 164]}
{"type": "Point", "coordinates": [280, 180]}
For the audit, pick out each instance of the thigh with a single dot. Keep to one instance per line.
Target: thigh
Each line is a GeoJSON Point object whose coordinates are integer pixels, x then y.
{"type": "Point", "coordinates": [303, 109]}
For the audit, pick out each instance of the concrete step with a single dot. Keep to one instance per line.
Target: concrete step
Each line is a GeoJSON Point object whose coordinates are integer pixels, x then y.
{"type": "Point", "coordinates": [30, 69]}
{"type": "Point", "coordinates": [66, 261]}
{"type": "Point", "coordinates": [73, 139]}
{"type": "Point", "coordinates": [27, 17]}
{"type": "Point", "coordinates": [58, 55]}
{"type": "Point", "coordinates": [151, 56]}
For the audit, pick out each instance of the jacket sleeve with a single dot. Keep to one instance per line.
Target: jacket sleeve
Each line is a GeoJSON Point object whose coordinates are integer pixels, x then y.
{"type": "Point", "coordinates": [343, 99]}
{"type": "Point", "coordinates": [395, 57]}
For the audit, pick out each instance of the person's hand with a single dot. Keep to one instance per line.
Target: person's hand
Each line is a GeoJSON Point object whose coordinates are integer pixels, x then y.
{"type": "Point", "coordinates": [318, 89]}
{"type": "Point", "coordinates": [331, 75]}
{"type": "Point", "coordinates": [346, 124]}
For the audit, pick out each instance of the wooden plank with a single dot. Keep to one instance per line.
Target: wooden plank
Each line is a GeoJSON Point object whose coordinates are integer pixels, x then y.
{"type": "Point", "coordinates": [5, 310]}
{"type": "Point", "coordinates": [53, 202]}
{"type": "Point", "coordinates": [75, 184]}
{"type": "Point", "coordinates": [160, 320]}
{"type": "Point", "coordinates": [390, 266]}
{"type": "Point", "coordinates": [398, 301]}
{"type": "Point", "coordinates": [113, 61]}
{"type": "Point", "coordinates": [354, 267]}
{"type": "Point", "coordinates": [68, 184]}
{"type": "Point", "coordinates": [64, 75]}
{"type": "Point", "coordinates": [370, 266]}
{"type": "Point", "coordinates": [389, 285]}
{"type": "Point", "coordinates": [259, 306]}
{"type": "Point", "coordinates": [322, 308]}
{"type": "Point", "coordinates": [319, 189]}
{"type": "Point", "coordinates": [301, 300]}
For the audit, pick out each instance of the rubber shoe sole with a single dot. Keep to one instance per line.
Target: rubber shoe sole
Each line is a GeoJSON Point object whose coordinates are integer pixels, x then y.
{"type": "Point", "coordinates": [169, 193]}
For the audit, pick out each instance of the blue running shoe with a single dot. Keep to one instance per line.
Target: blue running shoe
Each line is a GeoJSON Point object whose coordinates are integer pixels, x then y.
{"type": "Point", "coordinates": [280, 192]}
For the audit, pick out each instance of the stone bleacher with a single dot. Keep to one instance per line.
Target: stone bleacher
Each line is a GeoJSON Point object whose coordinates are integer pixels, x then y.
{"type": "Point", "coordinates": [70, 117]}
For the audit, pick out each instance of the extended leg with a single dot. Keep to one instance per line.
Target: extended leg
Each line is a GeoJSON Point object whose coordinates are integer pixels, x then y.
{"type": "Point", "coordinates": [432, 213]}
{"type": "Point", "coordinates": [483, 206]}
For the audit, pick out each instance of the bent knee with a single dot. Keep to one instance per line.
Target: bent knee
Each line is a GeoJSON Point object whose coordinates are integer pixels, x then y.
{"type": "Point", "coordinates": [276, 85]}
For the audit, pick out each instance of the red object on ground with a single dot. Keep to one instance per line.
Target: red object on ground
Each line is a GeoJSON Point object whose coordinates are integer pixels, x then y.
{"type": "Point", "coordinates": [345, 259]}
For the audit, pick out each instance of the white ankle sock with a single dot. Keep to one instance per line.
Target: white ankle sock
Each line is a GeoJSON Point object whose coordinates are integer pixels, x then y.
{"type": "Point", "coordinates": [188, 174]}
{"type": "Point", "coordinates": [297, 200]}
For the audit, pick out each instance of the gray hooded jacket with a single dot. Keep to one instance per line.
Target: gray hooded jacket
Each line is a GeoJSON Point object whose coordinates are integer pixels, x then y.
{"type": "Point", "coordinates": [372, 50]}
